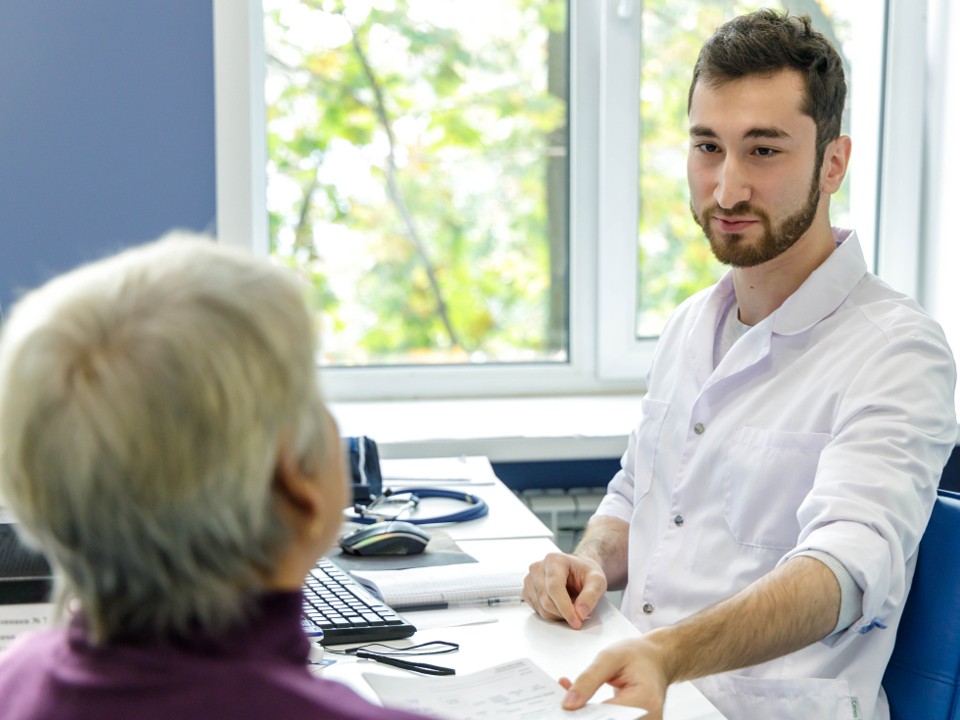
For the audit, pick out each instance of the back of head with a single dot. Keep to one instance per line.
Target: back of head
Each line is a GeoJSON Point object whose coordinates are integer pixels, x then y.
{"type": "Point", "coordinates": [144, 400]}
{"type": "Point", "coordinates": [765, 42]}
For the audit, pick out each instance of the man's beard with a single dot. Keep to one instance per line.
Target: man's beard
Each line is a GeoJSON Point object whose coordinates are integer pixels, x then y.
{"type": "Point", "coordinates": [730, 249]}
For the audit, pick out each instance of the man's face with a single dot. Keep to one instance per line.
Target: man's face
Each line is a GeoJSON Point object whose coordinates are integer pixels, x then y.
{"type": "Point", "coordinates": [752, 167]}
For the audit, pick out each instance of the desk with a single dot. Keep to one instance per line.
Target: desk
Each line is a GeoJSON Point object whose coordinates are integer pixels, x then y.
{"type": "Point", "coordinates": [515, 631]}
{"type": "Point", "coordinates": [508, 518]}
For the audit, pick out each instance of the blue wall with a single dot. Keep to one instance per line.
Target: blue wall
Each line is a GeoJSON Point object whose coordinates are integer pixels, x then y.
{"type": "Point", "coordinates": [106, 129]}
{"type": "Point", "coordinates": [566, 474]}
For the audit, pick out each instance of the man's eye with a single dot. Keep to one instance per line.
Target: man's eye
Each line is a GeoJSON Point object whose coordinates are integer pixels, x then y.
{"type": "Point", "coordinates": [707, 147]}
{"type": "Point", "coordinates": [765, 152]}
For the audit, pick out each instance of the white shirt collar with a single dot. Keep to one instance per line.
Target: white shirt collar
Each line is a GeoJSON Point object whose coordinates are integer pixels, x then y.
{"type": "Point", "coordinates": [819, 295]}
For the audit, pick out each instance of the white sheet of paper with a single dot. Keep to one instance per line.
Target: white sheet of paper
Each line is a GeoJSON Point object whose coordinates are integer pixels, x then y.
{"type": "Point", "coordinates": [16, 620]}
{"type": "Point", "coordinates": [454, 470]}
{"type": "Point", "coordinates": [518, 689]}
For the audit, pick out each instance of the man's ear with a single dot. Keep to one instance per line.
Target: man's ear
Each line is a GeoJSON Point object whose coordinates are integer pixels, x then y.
{"type": "Point", "coordinates": [836, 159]}
{"type": "Point", "coordinates": [299, 493]}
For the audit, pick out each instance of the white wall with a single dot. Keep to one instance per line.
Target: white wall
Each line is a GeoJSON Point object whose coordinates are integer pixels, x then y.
{"type": "Point", "coordinates": [941, 261]}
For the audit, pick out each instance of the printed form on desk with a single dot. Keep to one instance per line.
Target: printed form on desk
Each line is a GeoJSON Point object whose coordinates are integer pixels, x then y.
{"type": "Point", "coordinates": [516, 690]}
{"type": "Point", "coordinates": [17, 620]}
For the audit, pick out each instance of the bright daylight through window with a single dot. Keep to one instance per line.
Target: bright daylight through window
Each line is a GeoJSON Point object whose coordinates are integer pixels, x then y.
{"type": "Point", "coordinates": [418, 173]}
{"type": "Point", "coordinates": [673, 260]}
{"type": "Point", "coordinates": [426, 169]}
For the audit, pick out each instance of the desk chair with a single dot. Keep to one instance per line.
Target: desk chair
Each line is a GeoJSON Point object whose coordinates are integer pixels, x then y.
{"type": "Point", "coordinates": [923, 678]}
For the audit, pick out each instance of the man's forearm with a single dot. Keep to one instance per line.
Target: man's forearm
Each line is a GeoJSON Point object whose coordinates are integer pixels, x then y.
{"type": "Point", "coordinates": [789, 608]}
{"type": "Point", "coordinates": [605, 542]}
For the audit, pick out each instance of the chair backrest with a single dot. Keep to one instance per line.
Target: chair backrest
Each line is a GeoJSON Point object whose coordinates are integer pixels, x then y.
{"type": "Point", "coordinates": [923, 678]}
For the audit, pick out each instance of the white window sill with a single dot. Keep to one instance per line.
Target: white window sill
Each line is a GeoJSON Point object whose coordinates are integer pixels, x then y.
{"type": "Point", "coordinates": [502, 429]}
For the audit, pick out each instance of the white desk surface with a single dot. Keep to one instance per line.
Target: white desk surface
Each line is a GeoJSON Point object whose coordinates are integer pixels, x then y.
{"type": "Point", "coordinates": [508, 516]}
{"type": "Point", "coordinates": [516, 632]}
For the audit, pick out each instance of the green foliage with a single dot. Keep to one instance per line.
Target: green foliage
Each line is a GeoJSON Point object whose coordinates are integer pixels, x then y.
{"type": "Point", "coordinates": [419, 150]}
{"type": "Point", "coordinates": [410, 160]}
{"type": "Point", "coordinates": [674, 259]}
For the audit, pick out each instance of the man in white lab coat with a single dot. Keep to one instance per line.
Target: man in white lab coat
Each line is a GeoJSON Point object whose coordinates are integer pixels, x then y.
{"type": "Point", "coordinates": [771, 500]}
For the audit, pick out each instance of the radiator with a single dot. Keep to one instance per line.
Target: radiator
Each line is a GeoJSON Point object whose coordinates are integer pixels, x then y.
{"type": "Point", "coordinates": [565, 512]}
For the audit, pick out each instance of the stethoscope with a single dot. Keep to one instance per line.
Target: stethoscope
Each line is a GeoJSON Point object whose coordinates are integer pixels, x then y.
{"type": "Point", "coordinates": [368, 514]}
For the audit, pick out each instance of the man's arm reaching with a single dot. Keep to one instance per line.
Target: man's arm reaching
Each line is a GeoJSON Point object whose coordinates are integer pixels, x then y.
{"type": "Point", "coordinates": [789, 608]}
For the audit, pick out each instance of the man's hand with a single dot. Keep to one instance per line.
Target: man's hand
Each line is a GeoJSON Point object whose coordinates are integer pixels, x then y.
{"type": "Point", "coordinates": [568, 587]}
{"type": "Point", "coordinates": [635, 669]}
{"type": "Point", "coordinates": [564, 587]}
{"type": "Point", "coordinates": [790, 607]}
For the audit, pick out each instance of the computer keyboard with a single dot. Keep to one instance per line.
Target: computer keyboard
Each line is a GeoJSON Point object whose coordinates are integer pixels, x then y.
{"type": "Point", "coordinates": [336, 604]}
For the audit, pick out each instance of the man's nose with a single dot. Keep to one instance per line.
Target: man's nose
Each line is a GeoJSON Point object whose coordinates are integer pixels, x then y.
{"type": "Point", "coordinates": [732, 185]}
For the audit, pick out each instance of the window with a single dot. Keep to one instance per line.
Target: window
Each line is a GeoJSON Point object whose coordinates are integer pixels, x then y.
{"type": "Point", "coordinates": [647, 118]}
{"type": "Point", "coordinates": [941, 257]}
{"type": "Point", "coordinates": [673, 262]}
{"type": "Point", "coordinates": [417, 173]}
{"type": "Point", "coordinates": [456, 178]}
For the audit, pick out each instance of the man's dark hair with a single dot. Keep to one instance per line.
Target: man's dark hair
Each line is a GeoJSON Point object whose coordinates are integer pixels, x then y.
{"type": "Point", "coordinates": [765, 42]}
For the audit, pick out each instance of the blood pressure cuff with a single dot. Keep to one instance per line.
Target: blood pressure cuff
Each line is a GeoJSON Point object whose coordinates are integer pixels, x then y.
{"type": "Point", "coordinates": [365, 472]}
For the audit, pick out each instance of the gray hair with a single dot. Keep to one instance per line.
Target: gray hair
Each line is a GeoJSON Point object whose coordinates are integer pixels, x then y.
{"type": "Point", "coordinates": [144, 399]}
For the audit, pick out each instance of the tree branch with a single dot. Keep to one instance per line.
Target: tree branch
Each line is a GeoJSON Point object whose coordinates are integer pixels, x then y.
{"type": "Point", "coordinates": [396, 195]}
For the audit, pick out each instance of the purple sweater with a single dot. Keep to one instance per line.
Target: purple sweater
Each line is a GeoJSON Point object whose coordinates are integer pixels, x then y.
{"type": "Point", "coordinates": [259, 672]}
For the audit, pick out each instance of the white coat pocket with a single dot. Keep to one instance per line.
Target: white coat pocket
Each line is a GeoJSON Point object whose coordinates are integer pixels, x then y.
{"type": "Point", "coordinates": [766, 475]}
{"type": "Point", "coordinates": [643, 446]}
{"type": "Point", "coordinates": [741, 697]}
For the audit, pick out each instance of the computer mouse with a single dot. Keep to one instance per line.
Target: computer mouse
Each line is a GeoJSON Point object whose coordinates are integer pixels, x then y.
{"type": "Point", "coordinates": [390, 537]}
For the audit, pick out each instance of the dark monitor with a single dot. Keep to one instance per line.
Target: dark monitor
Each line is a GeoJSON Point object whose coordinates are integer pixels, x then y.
{"type": "Point", "coordinates": [25, 575]}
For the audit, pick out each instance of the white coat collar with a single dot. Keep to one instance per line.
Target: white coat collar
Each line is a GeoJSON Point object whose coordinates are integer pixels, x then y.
{"type": "Point", "coordinates": [825, 290]}
{"type": "Point", "coordinates": [819, 295]}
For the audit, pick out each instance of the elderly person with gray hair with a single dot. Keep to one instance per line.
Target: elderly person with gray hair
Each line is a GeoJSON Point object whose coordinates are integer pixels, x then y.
{"type": "Point", "coordinates": [164, 442]}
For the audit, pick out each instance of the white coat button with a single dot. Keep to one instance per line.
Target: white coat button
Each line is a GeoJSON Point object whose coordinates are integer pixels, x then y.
{"type": "Point", "coordinates": [678, 520]}
{"type": "Point", "coordinates": [647, 608]}
{"type": "Point", "coordinates": [698, 428]}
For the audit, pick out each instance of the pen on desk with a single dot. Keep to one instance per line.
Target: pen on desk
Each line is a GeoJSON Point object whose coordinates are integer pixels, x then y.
{"type": "Point", "coordinates": [489, 602]}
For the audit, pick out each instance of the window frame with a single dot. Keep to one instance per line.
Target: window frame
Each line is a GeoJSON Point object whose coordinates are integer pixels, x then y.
{"type": "Point", "coordinates": [240, 125]}
{"type": "Point", "coordinates": [901, 165]}
{"type": "Point", "coordinates": [620, 354]}
{"type": "Point", "coordinates": [604, 354]}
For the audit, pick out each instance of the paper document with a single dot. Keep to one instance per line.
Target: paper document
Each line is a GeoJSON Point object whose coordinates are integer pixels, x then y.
{"type": "Point", "coordinates": [519, 690]}
{"type": "Point", "coordinates": [16, 620]}
{"type": "Point", "coordinates": [447, 585]}
{"type": "Point", "coordinates": [460, 470]}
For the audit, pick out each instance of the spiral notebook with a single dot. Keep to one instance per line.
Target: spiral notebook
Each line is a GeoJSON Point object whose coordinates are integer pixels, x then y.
{"type": "Point", "coordinates": [445, 586]}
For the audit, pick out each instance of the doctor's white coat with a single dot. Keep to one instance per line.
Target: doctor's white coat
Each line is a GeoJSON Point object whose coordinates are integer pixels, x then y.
{"type": "Point", "coordinates": [825, 427]}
